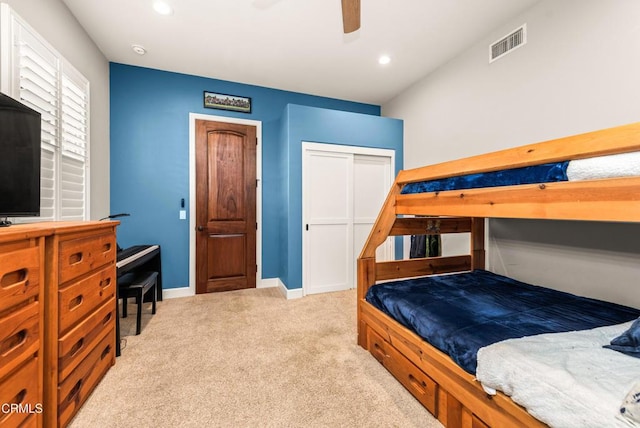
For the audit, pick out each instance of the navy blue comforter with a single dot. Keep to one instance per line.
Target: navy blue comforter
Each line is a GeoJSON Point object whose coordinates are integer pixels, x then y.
{"type": "Point", "coordinates": [460, 313]}
{"type": "Point", "coordinates": [546, 173]}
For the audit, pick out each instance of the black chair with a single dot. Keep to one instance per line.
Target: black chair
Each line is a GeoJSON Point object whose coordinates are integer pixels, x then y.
{"type": "Point", "coordinates": [138, 284]}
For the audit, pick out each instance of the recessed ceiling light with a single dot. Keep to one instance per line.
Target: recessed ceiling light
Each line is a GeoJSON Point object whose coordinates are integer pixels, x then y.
{"type": "Point", "coordinates": [162, 8]}
{"type": "Point", "coordinates": [384, 60]}
{"type": "Point", "coordinates": [140, 50]}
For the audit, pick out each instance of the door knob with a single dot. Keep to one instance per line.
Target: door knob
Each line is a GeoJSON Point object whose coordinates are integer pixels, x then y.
{"type": "Point", "coordinates": [200, 228]}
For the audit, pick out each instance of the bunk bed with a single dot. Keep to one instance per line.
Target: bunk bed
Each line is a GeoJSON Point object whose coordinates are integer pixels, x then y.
{"type": "Point", "coordinates": [429, 200]}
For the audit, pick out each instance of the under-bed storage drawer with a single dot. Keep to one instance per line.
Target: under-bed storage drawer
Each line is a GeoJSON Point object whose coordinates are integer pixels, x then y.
{"type": "Point", "coordinates": [477, 423]}
{"type": "Point", "coordinates": [377, 345]}
{"type": "Point", "coordinates": [419, 384]}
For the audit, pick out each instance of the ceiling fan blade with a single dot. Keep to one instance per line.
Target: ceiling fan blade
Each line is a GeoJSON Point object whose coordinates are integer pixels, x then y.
{"type": "Point", "coordinates": [350, 15]}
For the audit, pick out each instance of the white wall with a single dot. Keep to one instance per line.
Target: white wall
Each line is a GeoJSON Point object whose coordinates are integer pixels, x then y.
{"type": "Point", "coordinates": [578, 72]}
{"type": "Point", "coordinates": [53, 21]}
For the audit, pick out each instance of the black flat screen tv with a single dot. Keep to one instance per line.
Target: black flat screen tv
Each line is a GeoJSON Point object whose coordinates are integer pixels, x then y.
{"type": "Point", "coordinates": [19, 159]}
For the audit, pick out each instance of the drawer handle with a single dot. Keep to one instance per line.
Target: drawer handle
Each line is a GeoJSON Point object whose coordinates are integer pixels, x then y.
{"type": "Point", "coordinates": [74, 391]}
{"type": "Point", "coordinates": [75, 258]}
{"type": "Point", "coordinates": [106, 351]}
{"type": "Point", "coordinates": [421, 386]}
{"type": "Point", "coordinates": [13, 342]}
{"type": "Point", "coordinates": [12, 278]}
{"type": "Point", "coordinates": [19, 398]}
{"type": "Point", "coordinates": [74, 350]}
{"type": "Point", "coordinates": [75, 302]}
{"type": "Point", "coordinates": [106, 247]}
{"type": "Point", "coordinates": [106, 319]}
{"type": "Point", "coordinates": [105, 282]}
{"type": "Point", "coordinates": [380, 349]}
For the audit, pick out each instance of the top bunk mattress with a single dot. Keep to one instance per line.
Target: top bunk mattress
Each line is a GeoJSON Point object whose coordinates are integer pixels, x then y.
{"type": "Point", "coordinates": [599, 167]}
{"type": "Point", "coordinates": [460, 313]}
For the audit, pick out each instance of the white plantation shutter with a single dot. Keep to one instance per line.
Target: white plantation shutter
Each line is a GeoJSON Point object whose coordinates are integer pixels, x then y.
{"type": "Point", "coordinates": [42, 79]}
{"type": "Point", "coordinates": [48, 172]}
{"type": "Point", "coordinates": [75, 135]}
{"type": "Point", "coordinates": [38, 81]}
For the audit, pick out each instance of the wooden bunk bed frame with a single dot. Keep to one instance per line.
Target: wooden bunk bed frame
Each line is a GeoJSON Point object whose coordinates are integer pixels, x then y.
{"type": "Point", "coordinates": [446, 390]}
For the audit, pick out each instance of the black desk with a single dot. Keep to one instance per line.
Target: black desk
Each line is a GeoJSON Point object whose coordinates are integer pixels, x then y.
{"type": "Point", "coordinates": [140, 258]}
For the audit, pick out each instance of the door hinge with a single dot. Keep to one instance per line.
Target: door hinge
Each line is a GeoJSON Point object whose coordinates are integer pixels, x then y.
{"type": "Point", "coordinates": [256, 268]}
{"type": "Point", "coordinates": [256, 225]}
{"type": "Point", "coordinates": [256, 183]}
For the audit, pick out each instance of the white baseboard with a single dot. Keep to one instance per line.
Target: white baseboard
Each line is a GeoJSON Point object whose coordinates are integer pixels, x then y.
{"type": "Point", "coordinates": [173, 293]}
{"type": "Point", "coordinates": [268, 283]}
{"type": "Point", "coordinates": [294, 293]}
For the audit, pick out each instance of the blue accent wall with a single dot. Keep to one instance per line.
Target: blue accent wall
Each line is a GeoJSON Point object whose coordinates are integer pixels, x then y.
{"type": "Point", "coordinates": [150, 158]}
{"type": "Point", "coordinates": [318, 125]}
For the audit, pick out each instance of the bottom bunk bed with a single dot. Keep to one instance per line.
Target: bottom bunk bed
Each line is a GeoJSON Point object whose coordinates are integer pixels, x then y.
{"type": "Point", "coordinates": [413, 326]}
{"type": "Point", "coordinates": [462, 314]}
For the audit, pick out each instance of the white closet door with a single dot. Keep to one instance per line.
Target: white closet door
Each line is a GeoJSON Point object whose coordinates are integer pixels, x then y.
{"type": "Point", "coordinates": [328, 243]}
{"type": "Point", "coordinates": [343, 190]}
{"type": "Point", "coordinates": [372, 175]}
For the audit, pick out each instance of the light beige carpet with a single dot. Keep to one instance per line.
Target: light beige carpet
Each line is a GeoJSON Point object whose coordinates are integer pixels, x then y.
{"type": "Point", "coordinates": [249, 358]}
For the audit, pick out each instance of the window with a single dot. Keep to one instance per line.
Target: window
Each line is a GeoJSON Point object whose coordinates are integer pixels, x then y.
{"type": "Point", "coordinates": [41, 78]}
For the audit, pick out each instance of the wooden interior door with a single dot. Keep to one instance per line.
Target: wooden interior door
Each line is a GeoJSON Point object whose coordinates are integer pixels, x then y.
{"type": "Point", "coordinates": [225, 206]}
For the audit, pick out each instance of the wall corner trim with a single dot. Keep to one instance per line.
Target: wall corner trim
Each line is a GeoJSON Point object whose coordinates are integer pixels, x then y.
{"type": "Point", "coordinates": [294, 293]}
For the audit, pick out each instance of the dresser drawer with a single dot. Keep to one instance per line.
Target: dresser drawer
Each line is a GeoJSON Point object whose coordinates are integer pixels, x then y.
{"type": "Point", "coordinates": [19, 336]}
{"type": "Point", "coordinates": [81, 255]}
{"type": "Point", "coordinates": [77, 300]}
{"type": "Point", "coordinates": [74, 346]}
{"type": "Point", "coordinates": [19, 276]}
{"type": "Point", "coordinates": [76, 388]}
{"type": "Point", "coordinates": [21, 388]}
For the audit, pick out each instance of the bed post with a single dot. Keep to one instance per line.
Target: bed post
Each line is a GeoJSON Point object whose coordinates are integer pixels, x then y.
{"type": "Point", "coordinates": [366, 278]}
{"type": "Point", "coordinates": [477, 243]}
{"type": "Point", "coordinates": [366, 267]}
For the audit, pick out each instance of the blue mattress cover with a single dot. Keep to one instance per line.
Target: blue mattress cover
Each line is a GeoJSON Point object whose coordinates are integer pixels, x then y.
{"type": "Point", "coordinates": [546, 173]}
{"type": "Point", "coordinates": [460, 313]}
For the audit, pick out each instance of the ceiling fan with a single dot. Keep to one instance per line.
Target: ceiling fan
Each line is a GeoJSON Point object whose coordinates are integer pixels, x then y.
{"type": "Point", "coordinates": [350, 12]}
{"type": "Point", "coordinates": [350, 15]}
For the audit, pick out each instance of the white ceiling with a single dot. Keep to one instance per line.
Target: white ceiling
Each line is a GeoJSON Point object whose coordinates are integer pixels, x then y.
{"type": "Point", "coordinates": [295, 45]}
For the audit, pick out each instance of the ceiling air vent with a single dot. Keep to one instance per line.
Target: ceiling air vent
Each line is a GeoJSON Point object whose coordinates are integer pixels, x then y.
{"type": "Point", "coordinates": [513, 40]}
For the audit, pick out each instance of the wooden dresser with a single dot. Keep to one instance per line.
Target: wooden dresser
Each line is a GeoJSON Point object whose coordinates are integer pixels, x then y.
{"type": "Point", "coordinates": [22, 287]}
{"type": "Point", "coordinates": [80, 313]}
{"type": "Point", "coordinates": [57, 318]}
